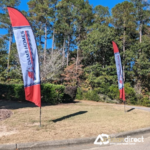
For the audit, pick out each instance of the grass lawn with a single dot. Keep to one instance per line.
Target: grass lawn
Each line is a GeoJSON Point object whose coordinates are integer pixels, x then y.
{"type": "Point", "coordinates": [67, 121]}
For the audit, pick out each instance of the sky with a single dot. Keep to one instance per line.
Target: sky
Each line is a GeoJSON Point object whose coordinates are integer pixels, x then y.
{"type": "Point", "coordinates": [107, 3]}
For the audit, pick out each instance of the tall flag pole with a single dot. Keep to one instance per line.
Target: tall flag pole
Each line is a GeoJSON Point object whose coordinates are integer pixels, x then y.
{"type": "Point", "coordinates": [119, 72]}
{"type": "Point", "coordinates": [28, 55]}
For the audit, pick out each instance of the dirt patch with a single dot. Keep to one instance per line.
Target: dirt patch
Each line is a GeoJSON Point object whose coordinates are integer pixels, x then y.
{"type": "Point", "coordinates": [5, 113]}
{"type": "Point", "coordinates": [4, 132]}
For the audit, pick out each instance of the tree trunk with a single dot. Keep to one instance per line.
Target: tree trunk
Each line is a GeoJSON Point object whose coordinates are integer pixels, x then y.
{"type": "Point", "coordinates": [68, 50]}
{"type": "Point", "coordinates": [124, 40]}
{"type": "Point", "coordinates": [53, 41]}
{"type": "Point", "coordinates": [10, 42]}
{"type": "Point", "coordinates": [45, 46]}
{"type": "Point", "coordinates": [140, 32]}
{"type": "Point", "coordinates": [78, 50]}
{"type": "Point", "coordinates": [138, 86]}
{"type": "Point", "coordinates": [103, 61]}
{"type": "Point", "coordinates": [64, 51]}
{"type": "Point", "coordinates": [40, 42]}
{"type": "Point", "coordinates": [77, 67]}
{"type": "Point", "coordinates": [77, 62]}
{"type": "Point", "coordinates": [140, 38]}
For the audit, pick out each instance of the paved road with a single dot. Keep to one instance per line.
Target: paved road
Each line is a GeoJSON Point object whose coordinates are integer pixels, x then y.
{"type": "Point", "coordinates": [138, 107]}
{"type": "Point", "coordinates": [139, 146]}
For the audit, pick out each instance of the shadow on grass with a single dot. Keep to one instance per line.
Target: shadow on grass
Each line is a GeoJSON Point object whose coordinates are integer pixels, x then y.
{"type": "Point", "coordinates": [130, 109]}
{"type": "Point", "coordinates": [6, 104]}
{"type": "Point", "coordinates": [68, 116]}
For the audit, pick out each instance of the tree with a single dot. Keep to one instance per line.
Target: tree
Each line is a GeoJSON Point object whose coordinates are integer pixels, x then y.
{"type": "Point", "coordinates": [101, 14]}
{"type": "Point", "coordinates": [74, 16]}
{"type": "Point", "coordinates": [96, 47]}
{"type": "Point", "coordinates": [99, 70]}
{"type": "Point", "coordinates": [3, 60]}
{"type": "Point", "coordinates": [73, 72]}
{"type": "Point", "coordinates": [123, 20]}
{"type": "Point", "coordinates": [142, 14]}
{"type": "Point", "coordinates": [64, 26]}
{"type": "Point", "coordinates": [42, 11]}
{"type": "Point", "coordinates": [5, 21]}
{"type": "Point", "coordinates": [53, 65]}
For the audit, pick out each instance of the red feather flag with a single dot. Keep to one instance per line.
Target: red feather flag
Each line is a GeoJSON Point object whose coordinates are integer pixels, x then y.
{"type": "Point", "coordinates": [119, 71]}
{"type": "Point", "coordinates": [28, 55]}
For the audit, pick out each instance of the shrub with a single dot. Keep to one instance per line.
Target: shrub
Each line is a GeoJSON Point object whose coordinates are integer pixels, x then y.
{"type": "Point", "coordinates": [52, 94]}
{"type": "Point", "coordinates": [92, 95]}
{"type": "Point", "coordinates": [113, 92]}
{"type": "Point", "coordinates": [12, 92]}
{"type": "Point", "coordinates": [130, 94]}
{"type": "Point", "coordinates": [19, 92]}
{"type": "Point", "coordinates": [79, 94]}
{"type": "Point", "coordinates": [145, 101]}
{"type": "Point", "coordinates": [69, 93]}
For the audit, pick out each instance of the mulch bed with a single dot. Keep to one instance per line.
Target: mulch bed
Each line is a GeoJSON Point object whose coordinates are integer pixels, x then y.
{"type": "Point", "coordinates": [4, 114]}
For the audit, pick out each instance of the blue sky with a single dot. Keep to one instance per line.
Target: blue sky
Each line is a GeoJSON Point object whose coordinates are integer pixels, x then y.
{"type": "Point", "coordinates": [107, 3]}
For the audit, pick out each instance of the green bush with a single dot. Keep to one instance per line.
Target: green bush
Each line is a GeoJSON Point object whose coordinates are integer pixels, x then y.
{"type": "Point", "coordinates": [79, 94]}
{"type": "Point", "coordinates": [51, 93]}
{"type": "Point", "coordinates": [12, 92]}
{"type": "Point", "coordinates": [19, 92]}
{"type": "Point", "coordinates": [130, 94]}
{"type": "Point", "coordinates": [113, 92]}
{"type": "Point", "coordinates": [91, 95]}
{"type": "Point", "coordinates": [144, 101]}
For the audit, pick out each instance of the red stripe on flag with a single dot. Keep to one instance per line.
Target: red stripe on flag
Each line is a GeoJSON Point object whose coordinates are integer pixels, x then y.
{"type": "Point", "coordinates": [29, 47]}
{"type": "Point", "coordinates": [122, 94]}
{"type": "Point", "coordinates": [33, 94]}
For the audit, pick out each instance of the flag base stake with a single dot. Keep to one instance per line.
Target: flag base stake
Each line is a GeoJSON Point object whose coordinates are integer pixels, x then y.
{"type": "Point", "coordinates": [40, 116]}
{"type": "Point", "coordinates": [124, 107]}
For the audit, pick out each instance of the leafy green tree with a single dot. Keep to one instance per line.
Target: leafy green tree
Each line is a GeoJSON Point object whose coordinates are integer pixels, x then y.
{"type": "Point", "coordinates": [99, 71]}
{"type": "Point", "coordinates": [140, 49]}
{"type": "Point", "coordinates": [142, 14]}
{"type": "Point", "coordinates": [5, 22]}
{"type": "Point", "coordinates": [3, 60]}
{"type": "Point", "coordinates": [124, 21]}
{"type": "Point", "coordinates": [41, 11]}
{"type": "Point", "coordinates": [101, 14]}
{"type": "Point", "coordinates": [64, 26]}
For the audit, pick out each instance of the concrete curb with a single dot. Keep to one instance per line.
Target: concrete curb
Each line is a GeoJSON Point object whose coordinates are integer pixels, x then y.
{"type": "Point", "coordinates": [8, 147]}
{"type": "Point", "coordinates": [51, 144]}
{"type": "Point", "coordinates": [132, 133]}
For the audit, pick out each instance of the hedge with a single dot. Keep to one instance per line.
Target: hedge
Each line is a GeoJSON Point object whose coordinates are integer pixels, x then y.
{"type": "Point", "coordinates": [88, 95]}
{"type": "Point", "coordinates": [51, 93]}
